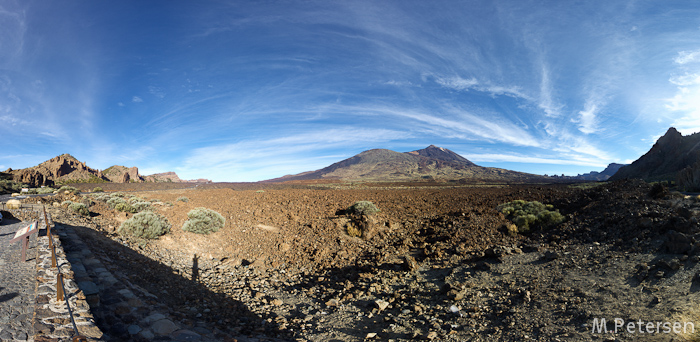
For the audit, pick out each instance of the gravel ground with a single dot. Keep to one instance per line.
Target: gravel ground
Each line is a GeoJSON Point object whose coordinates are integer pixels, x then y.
{"type": "Point", "coordinates": [438, 265]}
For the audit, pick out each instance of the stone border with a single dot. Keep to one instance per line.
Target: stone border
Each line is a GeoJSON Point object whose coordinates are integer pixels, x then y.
{"type": "Point", "coordinates": [51, 321]}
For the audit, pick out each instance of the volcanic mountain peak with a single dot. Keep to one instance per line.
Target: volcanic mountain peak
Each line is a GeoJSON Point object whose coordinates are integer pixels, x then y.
{"type": "Point", "coordinates": [440, 153]}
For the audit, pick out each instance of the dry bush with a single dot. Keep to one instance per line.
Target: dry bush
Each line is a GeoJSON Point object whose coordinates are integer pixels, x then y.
{"type": "Point", "coordinates": [145, 225]}
{"type": "Point", "coordinates": [203, 221]}
{"type": "Point", "coordinates": [79, 208]}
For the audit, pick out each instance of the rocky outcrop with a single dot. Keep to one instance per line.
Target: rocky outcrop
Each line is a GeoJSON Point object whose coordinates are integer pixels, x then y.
{"type": "Point", "coordinates": [670, 154]}
{"type": "Point", "coordinates": [62, 168]}
{"type": "Point", "coordinates": [164, 177]}
{"type": "Point", "coordinates": [123, 174]}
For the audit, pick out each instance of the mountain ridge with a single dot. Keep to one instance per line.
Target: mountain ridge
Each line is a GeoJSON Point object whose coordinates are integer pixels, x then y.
{"type": "Point", "coordinates": [67, 169]}
{"type": "Point", "coordinates": [432, 162]}
{"type": "Point", "coordinates": [671, 153]}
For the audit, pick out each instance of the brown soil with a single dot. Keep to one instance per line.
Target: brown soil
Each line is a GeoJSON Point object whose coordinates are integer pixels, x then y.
{"type": "Point", "coordinates": [440, 266]}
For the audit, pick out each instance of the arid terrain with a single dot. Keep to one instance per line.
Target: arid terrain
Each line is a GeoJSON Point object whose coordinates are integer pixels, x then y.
{"type": "Point", "coordinates": [440, 267]}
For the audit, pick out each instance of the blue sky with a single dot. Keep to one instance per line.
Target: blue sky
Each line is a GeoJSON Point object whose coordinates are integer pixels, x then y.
{"type": "Point", "coordinates": [251, 90]}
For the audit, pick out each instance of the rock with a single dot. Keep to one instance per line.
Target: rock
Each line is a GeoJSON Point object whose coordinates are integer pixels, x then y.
{"type": "Point", "coordinates": [163, 327]}
{"type": "Point", "coordinates": [13, 204]}
{"type": "Point", "coordinates": [409, 263]}
{"type": "Point", "coordinates": [381, 304]}
{"type": "Point", "coordinates": [277, 302]}
{"type": "Point", "coordinates": [370, 336]}
{"type": "Point", "coordinates": [677, 242]}
{"type": "Point", "coordinates": [498, 251]}
{"type": "Point", "coordinates": [431, 335]}
{"type": "Point", "coordinates": [134, 329]}
{"type": "Point", "coordinates": [186, 335]}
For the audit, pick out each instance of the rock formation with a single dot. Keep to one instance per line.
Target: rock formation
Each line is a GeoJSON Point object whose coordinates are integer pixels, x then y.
{"type": "Point", "coordinates": [670, 154]}
{"type": "Point", "coordinates": [62, 168]}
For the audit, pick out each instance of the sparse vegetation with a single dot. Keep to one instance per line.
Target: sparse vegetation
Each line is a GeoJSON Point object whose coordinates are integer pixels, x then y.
{"type": "Point", "coordinates": [69, 189]}
{"type": "Point", "coordinates": [530, 215]}
{"type": "Point", "coordinates": [66, 203]}
{"type": "Point", "coordinates": [44, 190]}
{"type": "Point", "coordinates": [79, 208]}
{"type": "Point", "coordinates": [203, 221]}
{"type": "Point", "coordinates": [182, 199]}
{"type": "Point", "coordinates": [145, 225]}
{"type": "Point", "coordinates": [7, 185]}
{"type": "Point", "coordinates": [125, 207]}
{"type": "Point", "coordinates": [362, 208]}
{"type": "Point", "coordinates": [142, 206]}
{"type": "Point", "coordinates": [112, 202]}
{"type": "Point", "coordinates": [97, 189]}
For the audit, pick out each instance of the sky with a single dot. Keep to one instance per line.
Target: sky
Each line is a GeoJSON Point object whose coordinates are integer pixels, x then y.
{"type": "Point", "coordinates": [253, 90]}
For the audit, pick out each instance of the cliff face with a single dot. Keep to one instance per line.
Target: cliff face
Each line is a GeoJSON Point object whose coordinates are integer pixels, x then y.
{"type": "Point", "coordinates": [62, 168]}
{"type": "Point", "coordinates": [123, 174]}
{"type": "Point", "coordinates": [670, 154]}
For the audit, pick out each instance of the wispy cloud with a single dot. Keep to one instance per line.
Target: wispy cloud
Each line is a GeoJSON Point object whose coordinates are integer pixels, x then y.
{"type": "Point", "coordinates": [516, 158]}
{"type": "Point", "coordinates": [261, 158]}
{"type": "Point", "coordinates": [686, 102]}
{"type": "Point", "coordinates": [136, 99]}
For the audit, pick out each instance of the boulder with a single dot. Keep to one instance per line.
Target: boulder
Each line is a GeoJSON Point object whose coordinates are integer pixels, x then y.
{"type": "Point", "coordinates": [13, 204]}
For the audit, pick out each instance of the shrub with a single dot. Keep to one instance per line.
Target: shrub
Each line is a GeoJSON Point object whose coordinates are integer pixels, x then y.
{"type": "Point", "coordinates": [530, 215]}
{"type": "Point", "coordinates": [203, 221]}
{"type": "Point", "coordinates": [125, 207]}
{"type": "Point", "coordinates": [87, 201]}
{"type": "Point", "coordinates": [79, 208]}
{"type": "Point", "coordinates": [67, 202]}
{"type": "Point", "coordinates": [45, 190]}
{"type": "Point", "coordinates": [112, 202]}
{"type": "Point", "coordinates": [117, 194]}
{"type": "Point", "coordinates": [362, 208]}
{"type": "Point", "coordinates": [145, 225]}
{"type": "Point", "coordinates": [69, 189]}
{"type": "Point", "coordinates": [142, 206]}
{"type": "Point", "coordinates": [97, 189]}
{"type": "Point", "coordinates": [182, 199]}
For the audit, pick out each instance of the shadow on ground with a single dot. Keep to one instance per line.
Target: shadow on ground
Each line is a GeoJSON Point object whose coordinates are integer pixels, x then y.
{"type": "Point", "coordinates": [189, 303]}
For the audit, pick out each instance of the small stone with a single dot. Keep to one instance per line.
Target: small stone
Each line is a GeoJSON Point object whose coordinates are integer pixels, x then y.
{"type": "Point", "coordinates": [163, 327]}
{"type": "Point", "coordinates": [134, 329]}
{"type": "Point", "coordinates": [432, 335]}
{"type": "Point", "coordinates": [370, 336]}
{"type": "Point", "coordinates": [277, 302]}
{"type": "Point", "coordinates": [381, 304]}
{"type": "Point", "coordinates": [332, 302]}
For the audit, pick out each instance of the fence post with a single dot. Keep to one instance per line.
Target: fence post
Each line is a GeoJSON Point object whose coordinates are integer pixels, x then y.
{"type": "Point", "coordinates": [59, 288]}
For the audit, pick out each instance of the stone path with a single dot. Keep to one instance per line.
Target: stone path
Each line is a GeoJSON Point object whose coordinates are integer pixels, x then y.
{"type": "Point", "coordinates": [17, 285]}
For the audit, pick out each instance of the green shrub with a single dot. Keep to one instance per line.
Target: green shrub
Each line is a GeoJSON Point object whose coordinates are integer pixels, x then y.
{"type": "Point", "coordinates": [97, 189]}
{"type": "Point", "coordinates": [530, 215]}
{"type": "Point", "coordinates": [67, 202]}
{"type": "Point", "coordinates": [45, 190]}
{"type": "Point", "coordinates": [362, 208]}
{"type": "Point", "coordinates": [145, 225]}
{"type": "Point", "coordinates": [203, 221]}
{"type": "Point", "coordinates": [87, 201]}
{"type": "Point", "coordinates": [182, 199]}
{"type": "Point", "coordinates": [69, 189]}
{"type": "Point", "coordinates": [125, 207]}
{"type": "Point", "coordinates": [142, 206]}
{"type": "Point", "coordinates": [112, 202]}
{"type": "Point", "coordinates": [117, 194]}
{"type": "Point", "coordinates": [79, 208]}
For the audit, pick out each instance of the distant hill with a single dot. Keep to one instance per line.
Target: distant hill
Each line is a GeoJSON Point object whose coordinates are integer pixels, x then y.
{"type": "Point", "coordinates": [67, 169]}
{"type": "Point", "coordinates": [429, 163]}
{"type": "Point", "coordinates": [670, 154]}
{"type": "Point", "coordinates": [595, 175]}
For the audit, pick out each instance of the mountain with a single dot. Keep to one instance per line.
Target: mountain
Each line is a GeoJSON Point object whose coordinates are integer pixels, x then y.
{"type": "Point", "coordinates": [670, 154]}
{"type": "Point", "coordinates": [67, 169]}
{"type": "Point", "coordinates": [429, 163]}
{"type": "Point", "coordinates": [58, 169]}
{"type": "Point", "coordinates": [122, 174]}
{"type": "Point", "coordinates": [599, 176]}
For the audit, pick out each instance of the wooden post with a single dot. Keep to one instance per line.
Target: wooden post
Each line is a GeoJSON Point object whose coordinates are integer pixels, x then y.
{"type": "Point", "coordinates": [79, 338]}
{"type": "Point", "coordinates": [59, 288]}
{"type": "Point", "coordinates": [53, 255]}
